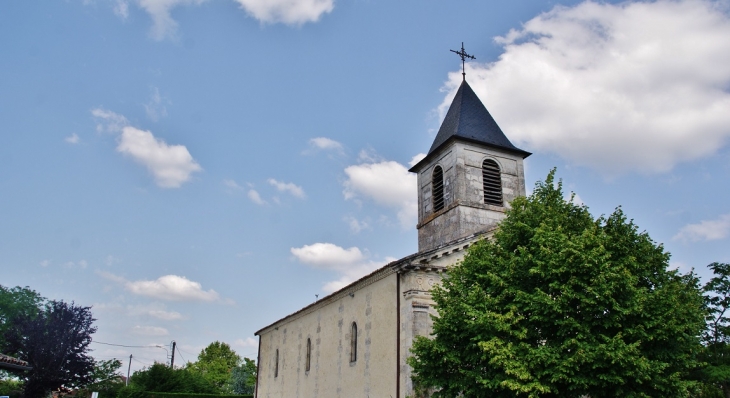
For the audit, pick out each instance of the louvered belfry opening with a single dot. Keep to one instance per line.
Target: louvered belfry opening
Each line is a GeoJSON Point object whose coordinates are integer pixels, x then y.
{"type": "Point", "coordinates": [438, 188]}
{"type": "Point", "coordinates": [492, 179]}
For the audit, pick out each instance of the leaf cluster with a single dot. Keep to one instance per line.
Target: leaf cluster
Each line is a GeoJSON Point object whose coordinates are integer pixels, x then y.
{"type": "Point", "coordinates": [559, 304]}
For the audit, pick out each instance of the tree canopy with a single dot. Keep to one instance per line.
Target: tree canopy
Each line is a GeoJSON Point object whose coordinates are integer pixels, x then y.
{"type": "Point", "coordinates": [716, 355]}
{"type": "Point", "coordinates": [55, 342]}
{"type": "Point", "coordinates": [17, 303]}
{"type": "Point", "coordinates": [559, 304]}
{"type": "Point", "coordinates": [215, 363]}
{"type": "Point", "coordinates": [162, 378]}
{"type": "Point", "coordinates": [243, 377]}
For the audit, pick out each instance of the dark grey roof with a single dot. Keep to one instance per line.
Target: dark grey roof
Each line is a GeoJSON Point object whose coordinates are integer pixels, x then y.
{"type": "Point", "coordinates": [469, 120]}
{"type": "Point", "coordinates": [8, 362]}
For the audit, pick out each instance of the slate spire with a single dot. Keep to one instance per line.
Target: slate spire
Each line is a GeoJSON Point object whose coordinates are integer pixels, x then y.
{"type": "Point", "coordinates": [469, 120]}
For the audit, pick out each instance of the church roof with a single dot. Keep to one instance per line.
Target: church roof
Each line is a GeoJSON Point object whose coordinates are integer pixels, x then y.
{"type": "Point", "coordinates": [469, 120]}
{"type": "Point", "coordinates": [406, 263]}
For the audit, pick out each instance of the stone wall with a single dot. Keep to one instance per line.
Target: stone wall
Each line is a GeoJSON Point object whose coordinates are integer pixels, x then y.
{"type": "Point", "coordinates": [328, 326]}
{"type": "Point", "coordinates": [464, 210]}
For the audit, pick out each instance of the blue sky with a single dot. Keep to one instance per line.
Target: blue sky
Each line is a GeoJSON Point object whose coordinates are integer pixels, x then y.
{"type": "Point", "coordinates": [195, 170]}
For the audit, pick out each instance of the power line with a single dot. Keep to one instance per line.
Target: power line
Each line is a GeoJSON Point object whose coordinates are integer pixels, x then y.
{"type": "Point", "coordinates": [181, 355]}
{"type": "Point", "coordinates": [128, 346]}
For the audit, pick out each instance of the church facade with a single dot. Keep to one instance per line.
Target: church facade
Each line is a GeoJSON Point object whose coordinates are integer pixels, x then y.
{"type": "Point", "coordinates": [355, 341]}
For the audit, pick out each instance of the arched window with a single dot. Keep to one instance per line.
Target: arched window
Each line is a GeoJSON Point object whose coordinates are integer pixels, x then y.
{"type": "Point", "coordinates": [353, 343]}
{"type": "Point", "coordinates": [276, 364]}
{"type": "Point", "coordinates": [492, 179]}
{"type": "Point", "coordinates": [308, 361]}
{"type": "Point", "coordinates": [437, 188]}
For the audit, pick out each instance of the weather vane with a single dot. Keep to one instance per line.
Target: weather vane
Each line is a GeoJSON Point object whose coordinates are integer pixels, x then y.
{"type": "Point", "coordinates": [463, 56]}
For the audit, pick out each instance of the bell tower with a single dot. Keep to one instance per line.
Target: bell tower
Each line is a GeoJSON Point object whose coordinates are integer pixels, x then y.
{"type": "Point", "coordinates": [469, 176]}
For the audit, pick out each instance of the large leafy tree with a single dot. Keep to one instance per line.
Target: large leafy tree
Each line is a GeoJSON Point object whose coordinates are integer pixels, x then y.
{"type": "Point", "coordinates": [55, 342]}
{"type": "Point", "coordinates": [215, 363]}
{"type": "Point", "coordinates": [559, 304]}
{"type": "Point", "coordinates": [716, 338]}
{"type": "Point", "coordinates": [16, 303]}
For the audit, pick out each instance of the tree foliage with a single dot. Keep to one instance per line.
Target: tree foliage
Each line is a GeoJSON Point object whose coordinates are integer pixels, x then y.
{"type": "Point", "coordinates": [716, 338]}
{"type": "Point", "coordinates": [215, 363]}
{"type": "Point", "coordinates": [106, 378]}
{"type": "Point", "coordinates": [558, 304]}
{"type": "Point", "coordinates": [243, 378]}
{"type": "Point", "coordinates": [17, 303]}
{"type": "Point", "coordinates": [162, 378]}
{"type": "Point", "coordinates": [55, 342]}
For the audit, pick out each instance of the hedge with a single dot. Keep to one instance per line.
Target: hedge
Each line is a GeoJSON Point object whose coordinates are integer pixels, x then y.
{"type": "Point", "coordinates": [192, 395]}
{"type": "Point", "coordinates": [152, 394]}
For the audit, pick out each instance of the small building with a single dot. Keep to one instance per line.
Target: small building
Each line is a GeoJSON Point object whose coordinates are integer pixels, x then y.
{"type": "Point", "coordinates": [355, 341]}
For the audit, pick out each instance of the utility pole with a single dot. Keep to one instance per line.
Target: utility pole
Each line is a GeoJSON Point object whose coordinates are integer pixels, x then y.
{"type": "Point", "coordinates": [128, 369]}
{"type": "Point", "coordinates": [172, 359]}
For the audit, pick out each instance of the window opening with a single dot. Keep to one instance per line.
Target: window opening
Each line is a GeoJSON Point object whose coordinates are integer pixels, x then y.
{"type": "Point", "coordinates": [353, 343]}
{"type": "Point", "coordinates": [309, 355]}
{"type": "Point", "coordinates": [276, 364]}
{"type": "Point", "coordinates": [492, 180]}
{"type": "Point", "coordinates": [438, 188]}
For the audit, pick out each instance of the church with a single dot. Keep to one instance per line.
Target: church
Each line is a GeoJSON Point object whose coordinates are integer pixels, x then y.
{"type": "Point", "coordinates": [355, 341]}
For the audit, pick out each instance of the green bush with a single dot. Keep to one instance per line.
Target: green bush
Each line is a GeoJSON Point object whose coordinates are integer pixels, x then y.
{"type": "Point", "coordinates": [11, 388]}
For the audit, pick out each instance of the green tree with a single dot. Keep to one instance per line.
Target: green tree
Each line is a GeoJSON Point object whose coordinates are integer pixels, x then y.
{"type": "Point", "coordinates": [162, 378]}
{"type": "Point", "coordinates": [215, 363]}
{"type": "Point", "coordinates": [56, 344]}
{"type": "Point", "coordinates": [106, 378]}
{"type": "Point", "coordinates": [16, 303]}
{"type": "Point", "coordinates": [243, 378]}
{"type": "Point", "coordinates": [558, 304]}
{"type": "Point", "coordinates": [716, 338]}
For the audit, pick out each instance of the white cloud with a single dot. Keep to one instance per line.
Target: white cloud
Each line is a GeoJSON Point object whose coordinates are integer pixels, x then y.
{"type": "Point", "coordinates": [248, 342]}
{"type": "Point", "coordinates": [82, 264]}
{"type": "Point", "coordinates": [171, 165]}
{"type": "Point", "coordinates": [232, 184]}
{"type": "Point", "coordinates": [109, 121]}
{"type": "Point", "coordinates": [351, 264]}
{"type": "Point", "coordinates": [45, 263]}
{"type": "Point", "coordinates": [72, 139]}
{"type": "Point", "coordinates": [291, 12]}
{"type": "Point", "coordinates": [255, 197]}
{"type": "Point", "coordinates": [150, 331]}
{"type": "Point", "coordinates": [327, 255]}
{"type": "Point", "coordinates": [163, 26]}
{"type": "Point", "coordinates": [167, 287]}
{"type": "Point", "coordinates": [111, 260]}
{"type": "Point", "coordinates": [325, 143]}
{"type": "Point", "coordinates": [155, 310]}
{"type": "Point", "coordinates": [357, 225]}
{"type": "Point", "coordinates": [166, 315]}
{"type": "Point", "coordinates": [416, 159]}
{"type": "Point", "coordinates": [389, 184]}
{"type": "Point", "coordinates": [288, 187]}
{"type": "Point", "coordinates": [705, 230]}
{"type": "Point", "coordinates": [634, 86]}
{"type": "Point", "coordinates": [172, 287]}
{"type": "Point", "coordinates": [155, 108]}
{"type": "Point", "coordinates": [121, 9]}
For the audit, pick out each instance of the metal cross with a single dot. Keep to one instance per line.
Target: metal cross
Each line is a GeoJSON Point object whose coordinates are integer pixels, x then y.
{"type": "Point", "coordinates": [463, 56]}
